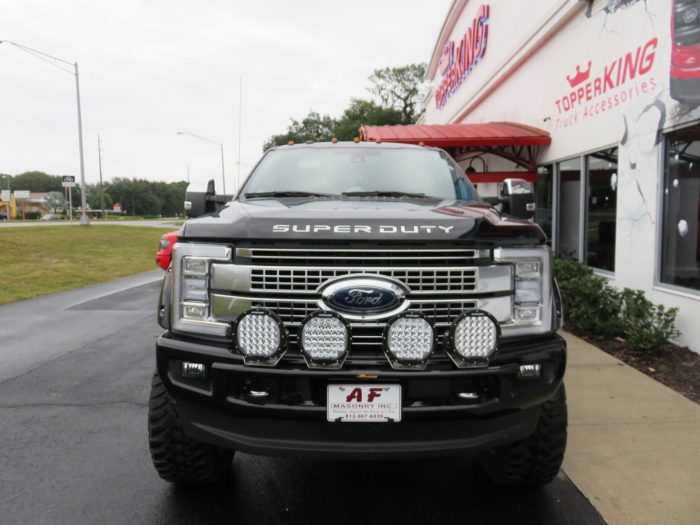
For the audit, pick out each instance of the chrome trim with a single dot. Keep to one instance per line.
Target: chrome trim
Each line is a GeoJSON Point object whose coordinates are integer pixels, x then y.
{"type": "Point", "coordinates": [393, 286]}
{"type": "Point", "coordinates": [309, 280]}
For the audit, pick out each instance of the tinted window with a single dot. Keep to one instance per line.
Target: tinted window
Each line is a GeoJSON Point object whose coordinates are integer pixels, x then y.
{"type": "Point", "coordinates": [602, 209]}
{"type": "Point", "coordinates": [680, 264]}
{"type": "Point", "coordinates": [359, 169]}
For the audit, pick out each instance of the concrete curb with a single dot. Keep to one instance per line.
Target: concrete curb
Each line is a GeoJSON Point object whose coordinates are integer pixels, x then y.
{"type": "Point", "coordinates": [634, 444]}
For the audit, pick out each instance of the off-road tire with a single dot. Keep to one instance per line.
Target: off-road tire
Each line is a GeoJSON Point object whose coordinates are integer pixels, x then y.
{"type": "Point", "coordinates": [176, 457]}
{"type": "Point", "coordinates": [535, 460]}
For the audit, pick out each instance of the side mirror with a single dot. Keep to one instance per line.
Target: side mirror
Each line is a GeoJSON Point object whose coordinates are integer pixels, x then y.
{"type": "Point", "coordinates": [518, 198]}
{"type": "Point", "coordinates": [200, 198]}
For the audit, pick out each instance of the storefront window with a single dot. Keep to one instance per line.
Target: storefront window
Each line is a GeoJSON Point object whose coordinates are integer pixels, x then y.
{"type": "Point", "coordinates": [543, 199]}
{"type": "Point", "coordinates": [680, 260]}
{"type": "Point", "coordinates": [602, 209]}
{"type": "Point", "coordinates": [569, 208]}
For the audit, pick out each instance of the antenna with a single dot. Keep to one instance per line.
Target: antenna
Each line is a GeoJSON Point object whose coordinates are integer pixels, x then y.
{"type": "Point", "coordinates": [102, 191]}
{"type": "Point", "coordinates": [240, 111]}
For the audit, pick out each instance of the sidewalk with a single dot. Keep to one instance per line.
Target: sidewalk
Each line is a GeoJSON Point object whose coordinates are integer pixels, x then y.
{"type": "Point", "coordinates": [634, 444]}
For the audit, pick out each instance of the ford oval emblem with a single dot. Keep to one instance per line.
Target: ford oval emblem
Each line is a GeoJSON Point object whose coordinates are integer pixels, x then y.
{"type": "Point", "coordinates": [363, 296]}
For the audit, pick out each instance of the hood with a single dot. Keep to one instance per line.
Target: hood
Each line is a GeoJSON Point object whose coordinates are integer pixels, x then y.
{"type": "Point", "coordinates": [365, 219]}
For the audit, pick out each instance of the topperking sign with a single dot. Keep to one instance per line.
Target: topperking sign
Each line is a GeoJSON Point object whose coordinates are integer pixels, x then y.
{"type": "Point", "coordinates": [457, 60]}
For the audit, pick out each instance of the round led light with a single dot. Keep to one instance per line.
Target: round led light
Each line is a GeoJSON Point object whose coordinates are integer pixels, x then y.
{"type": "Point", "coordinates": [324, 339]}
{"type": "Point", "coordinates": [473, 338]}
{"type": "Point", "coordinates": [260, 337]}
{"type": "Point", "coordinates": [409, 340]}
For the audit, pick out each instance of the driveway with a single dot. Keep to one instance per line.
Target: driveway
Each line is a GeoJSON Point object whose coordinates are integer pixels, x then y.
{"type": "Point", "coordinates": [76, 369]}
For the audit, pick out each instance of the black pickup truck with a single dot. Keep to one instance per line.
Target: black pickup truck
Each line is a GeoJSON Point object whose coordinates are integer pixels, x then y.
{"type": "Point", "coordinates": [358, 300]}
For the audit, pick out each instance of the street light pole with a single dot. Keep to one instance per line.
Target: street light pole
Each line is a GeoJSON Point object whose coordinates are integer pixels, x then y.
{"type": "Point", "coordinates": [84, 220]}
{"type": "Point", "coordinates": [102, 191]}
{"type": "Point", "coordinates": [223, 178]}
{"type": "Point", "coordinates": [221, 146]}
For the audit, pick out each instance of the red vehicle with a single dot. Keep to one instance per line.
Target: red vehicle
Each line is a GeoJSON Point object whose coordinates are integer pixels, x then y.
{"type": "Point", "coordinates": [685, 54]}
{"type": "Point", "coordinates": [165, 249]}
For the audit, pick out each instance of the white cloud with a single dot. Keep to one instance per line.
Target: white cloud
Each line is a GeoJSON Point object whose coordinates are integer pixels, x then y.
{"type": "Point", "coordinates": [150, 69]}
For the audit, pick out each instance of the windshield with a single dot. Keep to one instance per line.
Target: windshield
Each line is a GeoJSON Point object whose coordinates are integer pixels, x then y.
{"type": "Point", "coordinates": [359, 170]}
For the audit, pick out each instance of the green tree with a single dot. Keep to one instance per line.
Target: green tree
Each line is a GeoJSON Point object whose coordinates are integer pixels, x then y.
{"type": "Point", "coordinates": [314, 126]}
{"type": "Point", "coordinates": [364, 112]}
{"type": "Point", "coordinates": [97, 198]}
{"type": "Point", "coordinates": [401, 88]}
{"type": "Point", "coordinates": [37, 181]}
{"type": "Point", "coordinates": [144, 197]}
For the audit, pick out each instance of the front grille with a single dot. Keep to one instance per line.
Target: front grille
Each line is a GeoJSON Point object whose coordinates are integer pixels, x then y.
{"type": "Point", "coordinates": [361, 258]}
{"type": "Point", "coordinates": [308, 280]}
{"type": "Point", "coordinates": [441, 284]}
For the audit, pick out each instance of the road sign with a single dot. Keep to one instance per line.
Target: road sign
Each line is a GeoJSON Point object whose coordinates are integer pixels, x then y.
{"type": "Point", "coordinates": [6, 195]}
{"type": "Point", "coordinates": [21, 194]}
{"type": "Point", "coordinates": [69, 184]}
{"type": "Point", "coordinates": [68, 181]}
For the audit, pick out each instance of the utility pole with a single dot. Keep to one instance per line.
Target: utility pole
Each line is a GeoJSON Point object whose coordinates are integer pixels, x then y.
{"type": "Point", "coordinates": [188, 173]}
{"type": "Point", "coordinates": [84, 220]}
{"type": "Point", "coordinates": [240, 113]}
{"type": "Point", "coordinates": [102, 191]}
{"type": "Point", "coordinates": [223, 177]}
{"type": "Point", "coordinates": [61, 64]}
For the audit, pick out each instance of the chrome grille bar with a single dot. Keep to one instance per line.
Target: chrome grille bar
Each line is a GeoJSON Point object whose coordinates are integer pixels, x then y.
{"type": "Point", "coordinates": [358, 257]}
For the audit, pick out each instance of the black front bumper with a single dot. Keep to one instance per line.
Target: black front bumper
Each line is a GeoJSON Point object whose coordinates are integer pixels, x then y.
{"type": "Point", "coordinates": [291, 419]}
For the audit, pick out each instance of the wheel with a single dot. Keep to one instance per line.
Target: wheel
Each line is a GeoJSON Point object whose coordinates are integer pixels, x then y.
{"type": "Point", "coordinates": [176, 457]}
{"type": "Point", "coordinates": [536, 459]}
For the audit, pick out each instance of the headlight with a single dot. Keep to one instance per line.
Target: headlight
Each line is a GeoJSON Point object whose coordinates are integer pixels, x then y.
{"type": "Point", "coordinates": [325, 340]}
{"type": "Point", "coordinates": [409, 339]}
{"type": "Point", "coordinates": [260, 337]}
{"type": "Point", "coordinates": [532, 297]}
{"type": "Point", "coordinates": [191, 267]}
{"type": "Point", "coordinates": [473, 338]}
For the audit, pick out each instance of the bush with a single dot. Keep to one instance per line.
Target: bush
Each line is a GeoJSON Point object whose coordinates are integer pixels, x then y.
{"type": "Point", "coordinates": [590, 303]}
{"type": "Point", "coordinates": [595, 307]}
{"type": "Point", "coordinates": [646, 326]}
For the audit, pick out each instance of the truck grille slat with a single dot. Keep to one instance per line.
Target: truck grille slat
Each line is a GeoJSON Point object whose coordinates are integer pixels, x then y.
{"type": "Point", "coordinates": [309, 280]}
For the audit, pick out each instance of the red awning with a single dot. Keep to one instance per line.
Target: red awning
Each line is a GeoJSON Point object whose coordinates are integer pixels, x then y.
{"type": "Point", "coordinates": [459, 135]}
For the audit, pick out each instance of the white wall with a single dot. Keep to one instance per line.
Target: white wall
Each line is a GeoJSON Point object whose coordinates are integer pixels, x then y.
{"type": "Point", "coordinates": [631, 108]}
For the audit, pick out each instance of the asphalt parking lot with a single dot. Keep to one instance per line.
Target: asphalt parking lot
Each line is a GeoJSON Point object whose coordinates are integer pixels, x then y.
{"type": "Point", "coordinates": [73, 443]}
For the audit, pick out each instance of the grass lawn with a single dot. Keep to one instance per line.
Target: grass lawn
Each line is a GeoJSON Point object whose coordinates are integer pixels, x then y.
{"type": "Point", "coordinates": [36, 261]}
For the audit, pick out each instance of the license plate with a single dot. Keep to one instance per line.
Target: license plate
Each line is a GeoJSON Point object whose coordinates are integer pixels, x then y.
{"type": "Point", "coordinates": [364, 403]}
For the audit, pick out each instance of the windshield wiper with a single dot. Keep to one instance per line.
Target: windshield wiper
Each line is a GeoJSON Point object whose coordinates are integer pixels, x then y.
{"type": "Point", "coordinates": [384, 194]}
{"type": "Point", "coordinates": [275, 194]}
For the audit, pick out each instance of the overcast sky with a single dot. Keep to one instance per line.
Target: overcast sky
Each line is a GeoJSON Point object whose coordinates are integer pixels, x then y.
{"type": "Point", "coordinates": [151, 68]}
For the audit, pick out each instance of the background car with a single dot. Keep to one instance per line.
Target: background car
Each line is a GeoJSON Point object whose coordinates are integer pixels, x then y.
{"type": "Point", "coordinates": [165, 250]}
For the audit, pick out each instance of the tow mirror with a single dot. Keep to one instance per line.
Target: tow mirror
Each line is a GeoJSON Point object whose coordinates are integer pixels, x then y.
{"type": "Point", "coordinates": [518, 198]}
{"type": "Point", "coordinates": [200, 198]}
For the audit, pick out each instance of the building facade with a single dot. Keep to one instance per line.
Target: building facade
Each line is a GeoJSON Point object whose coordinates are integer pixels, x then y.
{"type": "Point", "coordinates": [617, 85]}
